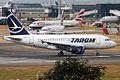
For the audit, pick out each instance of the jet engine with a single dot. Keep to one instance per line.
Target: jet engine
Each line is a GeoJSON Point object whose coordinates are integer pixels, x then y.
{"type": "Point", "coordinates": [77, 49]}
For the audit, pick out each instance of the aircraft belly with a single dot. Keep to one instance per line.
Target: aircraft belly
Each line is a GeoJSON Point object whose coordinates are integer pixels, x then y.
{"type": "Point", "coordinates": [89, 46]}
{"type": "Point", "coordinates": [40, 44]}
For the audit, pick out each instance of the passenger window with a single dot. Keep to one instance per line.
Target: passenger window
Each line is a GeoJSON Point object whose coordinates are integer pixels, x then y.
{"type": "Point", "coordinates": [107, 39]}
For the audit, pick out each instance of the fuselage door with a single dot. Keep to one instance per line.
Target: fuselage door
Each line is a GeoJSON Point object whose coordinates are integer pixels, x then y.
{"type": "Point", "coordinates": [31, 40]}
{"type": "Point", "coordinates": [97, 40]}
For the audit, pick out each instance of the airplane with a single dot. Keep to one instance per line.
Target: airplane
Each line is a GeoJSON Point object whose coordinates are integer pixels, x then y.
{"type": "Point", "coordinates": [88, 13]}
{"type": "Point", "coordinates": [110, 19]}
{"type": "Point", "coordinates": [56, 27]}
{"type": "Point", "coordinates": [107, 21]}
{"type": "Point", "coordinates": [115, 12]}
{"type": "Point", "coordinates": [60, 27]}
{"type": "Point", "coordinates": [53, 23]}
{"type": "Point", "coordinates": [81, 12]}
{"type": "Point", "coordinates": [74, 43]}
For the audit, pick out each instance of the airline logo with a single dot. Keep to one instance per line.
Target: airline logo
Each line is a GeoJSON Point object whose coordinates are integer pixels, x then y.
{"type": "Point", "coordinates": [83, 40]}
{"type": "Point", "coordinates": [14, 27]}
{"type": "Point", "coordinates": [61, 23]}
{"type": "Point", "coordinates": [62, 18]}
{"type": "Point", "coordinates": [62, 15]}
{"type": "Point", "coordinates": [81, 12]}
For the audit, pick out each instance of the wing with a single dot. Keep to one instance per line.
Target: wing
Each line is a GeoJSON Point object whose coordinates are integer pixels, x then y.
{"type": "Point", "coordinates": [60, 46]}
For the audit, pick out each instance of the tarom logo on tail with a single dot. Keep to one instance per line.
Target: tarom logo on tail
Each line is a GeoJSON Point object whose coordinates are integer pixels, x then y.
{"type": "Point", "coordinates": [15, 27]}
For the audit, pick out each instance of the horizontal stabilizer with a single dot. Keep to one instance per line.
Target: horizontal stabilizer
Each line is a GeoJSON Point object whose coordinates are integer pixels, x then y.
{"type": "Point", "coordinates": [17, 39]}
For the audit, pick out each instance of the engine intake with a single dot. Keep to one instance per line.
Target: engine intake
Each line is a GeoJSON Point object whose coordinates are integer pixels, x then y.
{"type": "Point", "coordinates": [77, 49]}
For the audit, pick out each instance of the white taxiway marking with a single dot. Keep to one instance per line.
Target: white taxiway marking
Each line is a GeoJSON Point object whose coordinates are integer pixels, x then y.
{"type": "Point", "coordinates": [7, 60]}
{"type": "Point", "coordinates": [117, 55]}
{"type": "Point", "coordinates": [95, 56]}
{"type": "Point", "coordinates": [103, 56]}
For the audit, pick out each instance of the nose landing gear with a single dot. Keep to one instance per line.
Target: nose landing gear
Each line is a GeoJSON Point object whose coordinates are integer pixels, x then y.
{"type": "Point", "coordinates": [97, 53]}
{"type": "Point", "coordinates": [60, 54]}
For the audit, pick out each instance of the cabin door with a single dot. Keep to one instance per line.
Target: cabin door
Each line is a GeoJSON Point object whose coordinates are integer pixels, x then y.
{"type": "Point", "coordinates": [97, 40]}
{"type": "Point", "coordinates": [31, 40]}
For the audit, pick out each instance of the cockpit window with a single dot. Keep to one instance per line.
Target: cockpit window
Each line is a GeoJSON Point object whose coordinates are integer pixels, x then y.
{"type": "Point", "coordinates": [107, 39]}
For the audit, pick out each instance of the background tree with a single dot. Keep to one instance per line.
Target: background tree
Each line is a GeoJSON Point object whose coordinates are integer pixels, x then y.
{"type": "Point", "coordinates": [74, 69]}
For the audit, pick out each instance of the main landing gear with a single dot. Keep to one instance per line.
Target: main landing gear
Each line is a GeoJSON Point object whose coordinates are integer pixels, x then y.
{"type": "Point", "coordinates": [60, 53]}
{"type": "Point", "coordinates": [97, 53]}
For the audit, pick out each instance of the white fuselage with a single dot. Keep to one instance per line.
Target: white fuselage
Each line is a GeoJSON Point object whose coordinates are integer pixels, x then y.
{"type": "Point", "coordinates": [74, 43]}
{"type": "Point", "coordinates": [66, 23]}
{"type": "Point", "coordinates": [53, 28]}
{"type": "Point", "coordinates": [110, 19]}
{"type": "Point", "coordinates": [87, 41]}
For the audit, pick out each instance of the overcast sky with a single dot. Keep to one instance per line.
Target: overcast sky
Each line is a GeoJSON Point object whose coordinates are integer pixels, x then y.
{"type": "Point", "coordinates": [2, 2]}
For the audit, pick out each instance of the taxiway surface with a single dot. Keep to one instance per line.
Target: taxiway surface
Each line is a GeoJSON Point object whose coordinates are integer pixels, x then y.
{"type": "Point", "coordinates": [12, 54]}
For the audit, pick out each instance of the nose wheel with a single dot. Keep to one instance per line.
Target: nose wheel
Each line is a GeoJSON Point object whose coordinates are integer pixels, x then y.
{"type": "Point", "coordinates": [60, 54]}
{"type": "Point", "coordinates": [97, 53]}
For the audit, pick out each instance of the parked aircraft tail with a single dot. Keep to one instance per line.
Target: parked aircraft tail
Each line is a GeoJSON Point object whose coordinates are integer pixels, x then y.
{"type": "Point", "coordinates": [81, 12]}
{"type": "Point", "coordinates": [62, 18]}
{"type": "Point", "coordinates": [80, 20]}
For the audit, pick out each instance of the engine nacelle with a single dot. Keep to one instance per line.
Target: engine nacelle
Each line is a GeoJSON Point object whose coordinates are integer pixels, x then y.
{"type": "Point", "coordinates": [51, 47]}
{"type": "Point", "coordinates": [77, 49]}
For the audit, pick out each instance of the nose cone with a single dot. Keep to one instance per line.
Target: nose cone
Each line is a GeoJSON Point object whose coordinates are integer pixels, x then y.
{"type": "Point", "coordinates": [113, 44]}
{"type": "Point", "coordinates": [6, 38]}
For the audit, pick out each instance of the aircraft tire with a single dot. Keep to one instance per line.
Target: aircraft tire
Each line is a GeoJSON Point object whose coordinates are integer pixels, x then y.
{"type": "Point", "coordinates": [97, 54]}
{"type": "Point", "coordinates": [60, 54]}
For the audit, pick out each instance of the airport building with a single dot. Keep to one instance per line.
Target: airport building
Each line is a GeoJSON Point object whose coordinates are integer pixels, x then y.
{"type": "Point", "coordinates": [0, 11]}
{"type": "Point", "coordinates": [32, 10]}
{"type": "Point", "coordinates": [44, 10]}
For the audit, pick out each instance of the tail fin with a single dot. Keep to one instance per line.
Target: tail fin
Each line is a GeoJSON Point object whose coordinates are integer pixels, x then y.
{"type": "Point", "coordinates": [8, 4]}
{"type": "Point", "coordinates": [80, 13]}
{"type": "Point", "coordinates": [80, 20]}
{"type": "Point", "coordinates": [15, 26]}
{"type": "Point", "coordinates": [62, 18]}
